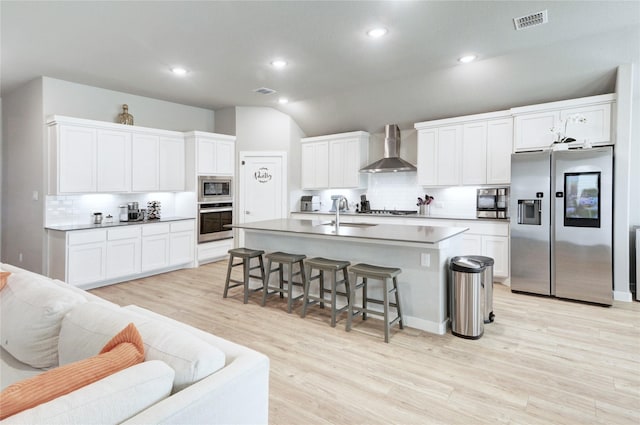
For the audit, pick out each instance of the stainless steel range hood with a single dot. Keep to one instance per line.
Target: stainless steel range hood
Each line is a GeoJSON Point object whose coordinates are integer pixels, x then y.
{"type": "Point", "coordinates": [391, 162]}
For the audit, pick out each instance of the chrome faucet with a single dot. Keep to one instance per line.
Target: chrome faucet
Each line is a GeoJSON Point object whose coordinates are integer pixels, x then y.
{"type": "Point", "coordinates": [336, 203]}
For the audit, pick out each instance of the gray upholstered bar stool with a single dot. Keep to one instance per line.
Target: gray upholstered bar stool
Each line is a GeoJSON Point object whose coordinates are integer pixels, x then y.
{"type": "Point", "coordinates": [245, 254]}
{"type": "Point", "coordinates": [384, 274]}
{"type": "Point", "coordinates": [333, 267]}
{"type": "Point", "coordinates": [283, 258]}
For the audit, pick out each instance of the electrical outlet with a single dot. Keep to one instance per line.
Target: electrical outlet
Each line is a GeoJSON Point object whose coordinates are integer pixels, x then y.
{"type": "Point", "coordinates": [425, 259]}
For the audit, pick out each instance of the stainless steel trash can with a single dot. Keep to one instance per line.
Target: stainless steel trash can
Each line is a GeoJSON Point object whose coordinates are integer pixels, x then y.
{"type": "Point", "coordinates": [466, 297]}
{"type": "Point", "coordinates": [487, 286]}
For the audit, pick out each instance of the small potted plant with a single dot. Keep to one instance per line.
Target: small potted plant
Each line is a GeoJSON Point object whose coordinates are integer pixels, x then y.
{"type": "Point", "coordinates": [423, 204]}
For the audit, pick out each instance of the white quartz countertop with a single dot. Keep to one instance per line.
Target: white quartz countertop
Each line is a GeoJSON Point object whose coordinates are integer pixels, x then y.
{"type": "Point", "coordinates": [104, 225]}
{"type": "Point", "coordinates": [382, 232]}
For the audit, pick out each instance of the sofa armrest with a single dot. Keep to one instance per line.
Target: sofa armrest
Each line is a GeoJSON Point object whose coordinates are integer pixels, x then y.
{"type": "Point", "coordinates": [237, 393]}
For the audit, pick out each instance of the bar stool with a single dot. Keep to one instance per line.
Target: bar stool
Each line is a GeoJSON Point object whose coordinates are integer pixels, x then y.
{"type": "Point", "coordinates": [367, 271]}
{"type": "Point", "coordinates": [245, 254]}
{"type": "Point", "coordinates": [331, 266]}
{"type": "Point", "coordinates": [290, 260]}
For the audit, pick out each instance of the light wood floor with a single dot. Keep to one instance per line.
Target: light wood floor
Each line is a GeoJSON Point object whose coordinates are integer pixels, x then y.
{"type": "Point", "coordinates": [544, 361]}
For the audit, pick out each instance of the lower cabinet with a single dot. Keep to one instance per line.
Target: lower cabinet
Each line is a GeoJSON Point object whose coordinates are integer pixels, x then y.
{"type": "Point", "coordinates": [488, 239]}
{"type": "Point", "coordinates": [97, 257]}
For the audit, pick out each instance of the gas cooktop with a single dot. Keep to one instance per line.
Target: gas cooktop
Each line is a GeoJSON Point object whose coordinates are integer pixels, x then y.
{"type": "Point", "coordinates": [388, 212]}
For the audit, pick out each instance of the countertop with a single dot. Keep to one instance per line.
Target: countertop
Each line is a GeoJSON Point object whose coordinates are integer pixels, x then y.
{"type": "Point", "coordinates": [382, 232]}
{"type": "Point", "coordinates": [437, 217]}
{"type": "Point", "coordinates": [88, 226]}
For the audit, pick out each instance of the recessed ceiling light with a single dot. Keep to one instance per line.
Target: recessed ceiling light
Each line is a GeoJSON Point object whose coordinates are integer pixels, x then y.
{"type": "Point", "coordinates": [179, 70]}
{"type": "Point", "coordinates": [377, 32]}
{"type": "Point", "coordinates": [283, 100]}
{"type": "Point", "coordinates": [279, 63]}
{"type": "Point", "coordinates": [467, 58]}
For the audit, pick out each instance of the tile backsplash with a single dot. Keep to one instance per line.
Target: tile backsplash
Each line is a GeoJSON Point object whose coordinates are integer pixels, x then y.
{"type": "Point", "coordinates": [79, 209]}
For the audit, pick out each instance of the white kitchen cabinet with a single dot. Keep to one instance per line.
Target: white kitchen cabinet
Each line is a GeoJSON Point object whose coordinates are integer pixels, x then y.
{"type": "Point", "coordinates": [497, 247]}
{"type": "Point", "coordinates": [182, 243]}
{"type": "Point", "coordinates": [87, 256]}
{"type": "Point", "coordinates": [73, 159]}
{"type": "Point", "coordinates": [334, 161]}
{"type": "Point", "coordinates": [113, 161]}
{"type": "Point", "coordinates": [499, 149]}
{"type": "Point", "coordinates": [155, 246]}
{"type": "Point", "coordinates": [471, 244]}
{"type": "Point", "coordinates": [171, 170]}
{"type": "Point", "coordinates": [533, 123]}
{"type": "Point", "coordinates": [158, 163]}
{"type": "Point", "coordinates": [474, 153]}
{"type": "Point", "coordinates": [123, 251]}
{"type": "Point", "coordinates": [490, 239]}
{"type": "Point", "coordinates": [468, 150]}
{"type": "Point", "coordinates": [215, 153]}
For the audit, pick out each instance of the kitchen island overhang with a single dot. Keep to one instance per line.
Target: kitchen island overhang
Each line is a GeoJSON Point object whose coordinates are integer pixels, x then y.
{"type": "Point", "coordinates": [422, 252]}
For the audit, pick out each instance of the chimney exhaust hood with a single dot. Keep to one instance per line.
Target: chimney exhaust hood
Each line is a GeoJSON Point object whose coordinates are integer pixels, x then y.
{"type": "Point", "coordinates": [391, 162]}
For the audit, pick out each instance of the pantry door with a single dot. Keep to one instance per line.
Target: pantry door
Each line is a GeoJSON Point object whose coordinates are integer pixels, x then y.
{"type": "Point", "coordinates": [262, 188]}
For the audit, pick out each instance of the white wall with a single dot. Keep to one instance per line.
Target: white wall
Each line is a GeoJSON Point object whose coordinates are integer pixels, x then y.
{"type": "Point", "coordinates": [23, 173]}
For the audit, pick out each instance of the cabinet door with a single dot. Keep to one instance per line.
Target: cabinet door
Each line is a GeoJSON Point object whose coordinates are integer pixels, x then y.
{"type": "Point", "coordinates": [471, 244]}
{"type": "Point", "coordinates": [182, 245]}
{"type": "Point", "coordinates": [206, 156]}
{"type": "Point", "coordinates": [86, 263]}
{"type": "Point", "coordinates": [499, 149]}
{"type": "Point", "coordinates": [123, 257]}
{"type": "Point", "coordinates": [155, 252]}
{"type": "Point", "coordinates": [427, 157]}
{"type": "Point", "coordinates": [350, 150]}
{"type": "Point", "coordinates": [113, 161]}
{"type": "Point", "coordinates": [497, 247]}
{"type": "Point", "coordinates": [596, 129]}
{"type": "Point", "coordinates": [225, 157]}
{"type": "Point", "coordinates": [533, 131]}
{"type": "Point", "coordinates": [315, 165]}
{"type": "Point", "coordinates": [144, 162]}
{"type": "Point", "coordinates": [171, 164]}
{"type": "Point", "coordinates": [77, 150]}
{"type": "Point", "coordinates": [474, 153]}
{"type": "Point", "coordinates": [448, 155]}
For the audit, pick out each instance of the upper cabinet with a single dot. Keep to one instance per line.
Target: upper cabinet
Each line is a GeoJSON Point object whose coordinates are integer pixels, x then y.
{"type": "Point", "coordinates": [334, 161]}
{"type": "Point", "coordinates": [533, 124]}
{"type": "Point", "coordinates": [87, 156]}
{"type": "Point", "coordinates": [215, 153]}
{"type": "Point", "coordinates": [469, 150]}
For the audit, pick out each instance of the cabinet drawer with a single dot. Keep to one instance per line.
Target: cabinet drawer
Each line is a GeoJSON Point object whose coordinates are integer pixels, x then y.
{"type": "Point", "coordinates": [182, 226]}
{"type": "Point", "coordinates": [78, 238]}
{"type": "Point", "coordinates": [485, 228]}
{"type": "Point", "coordinates": [123, 233]}
{"type": "Point", "coordinates": [155, 229]}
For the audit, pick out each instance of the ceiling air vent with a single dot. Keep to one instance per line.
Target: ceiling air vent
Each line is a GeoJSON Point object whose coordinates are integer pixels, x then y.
{"type": "Point", "coordinates": [264, 90]}
{"type": "Point", "coordinates": [531, 20]}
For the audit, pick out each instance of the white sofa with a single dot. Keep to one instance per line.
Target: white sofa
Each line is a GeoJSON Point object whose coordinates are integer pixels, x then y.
{"type": "Point", "coordinates": [188, 376]}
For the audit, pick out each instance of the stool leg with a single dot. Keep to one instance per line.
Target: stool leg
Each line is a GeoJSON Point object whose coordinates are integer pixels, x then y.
{"type": "Point", "coordinates": [281, 275]}
{"type": "Point", "coordinates": [364, 298]}
{"type": "Point", "coordinates": [261, 269]}
{"type": "Point", "coordinates": [290, 289]}
{"type": "Point", "coordinates": [352, 301]}
{"type": "Point", "coordinates": [246, 263]}
{"type": "Point", "coordinates": [321, 288]}
{"type": "Point", "coordinates": [398, 308]}
{"type": "Point", "coordinates": [333, 299]}
{"type": "Point", "coordinates": [307, 284]}
{"type": "Point", "coordinates": [346, 284]}
{"type": "Point", "coordinates": [386, 309]}
{"type": "Point", "coordinates": [265, 285]}
{"type": "Point", "coordinates": [226, 284]}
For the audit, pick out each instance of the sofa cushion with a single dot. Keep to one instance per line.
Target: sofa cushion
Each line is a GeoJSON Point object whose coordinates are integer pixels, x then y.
{"type": "Point", "coordinates": [31, 310]}
{"type": "Point", "coordinates": [111, 400]}
{"type": "Point", "coordinates": [88, 326]}
{"type": "Point", "coordinates": [124, 350]}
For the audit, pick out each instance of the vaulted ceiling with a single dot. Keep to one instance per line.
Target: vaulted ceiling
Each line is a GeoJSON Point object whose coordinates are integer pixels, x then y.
{"type": "Point", "coordinates": [337, 78]}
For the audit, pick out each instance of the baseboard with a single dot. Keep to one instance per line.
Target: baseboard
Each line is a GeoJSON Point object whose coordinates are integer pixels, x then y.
{"type": "Point", "coordinates": [622, 296]}
{"type": "Point", "coordinates": [426, 325]}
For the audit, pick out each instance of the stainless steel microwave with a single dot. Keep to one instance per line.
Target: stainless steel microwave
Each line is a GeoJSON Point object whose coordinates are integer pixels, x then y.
{"type": "Point", "coordinates": [215, 188]}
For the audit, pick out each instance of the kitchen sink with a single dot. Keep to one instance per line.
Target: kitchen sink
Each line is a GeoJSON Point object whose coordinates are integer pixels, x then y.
{"type": "Point", "coordinates": [333, 223]}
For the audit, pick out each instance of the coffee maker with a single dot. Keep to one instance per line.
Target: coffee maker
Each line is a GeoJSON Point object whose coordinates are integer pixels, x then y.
{"type": "Point", "coordinates": [134, 213]}
{"type": "Point", "coordinates": [310, 203]}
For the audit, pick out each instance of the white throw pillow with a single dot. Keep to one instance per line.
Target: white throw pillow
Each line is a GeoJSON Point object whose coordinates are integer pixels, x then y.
{"type": "Point", "coordinates": [87, 327]}
{"type": "Point", "coordinates": [111, 400]}
{"type": "Point", "coordinates": [31, 311]}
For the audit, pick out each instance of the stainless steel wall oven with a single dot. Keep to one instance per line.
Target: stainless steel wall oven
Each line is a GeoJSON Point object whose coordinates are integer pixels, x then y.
{"type": "Point", "coordinates": [212, 218]}
{"type": "Point", "coordinates": [215, 188]}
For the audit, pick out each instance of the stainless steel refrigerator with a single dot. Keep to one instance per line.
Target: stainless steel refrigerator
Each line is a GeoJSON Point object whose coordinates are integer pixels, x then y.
{"type": "Point", "coordinates": [561, 224]}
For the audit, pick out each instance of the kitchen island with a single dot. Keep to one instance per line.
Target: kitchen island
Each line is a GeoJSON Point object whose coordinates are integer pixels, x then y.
{"type": "Point", "coordinates": [422, 252]}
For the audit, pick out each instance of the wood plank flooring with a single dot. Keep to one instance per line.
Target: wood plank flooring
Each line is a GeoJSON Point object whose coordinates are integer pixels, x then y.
{"type": "Point", "coordinates": [543, 361]}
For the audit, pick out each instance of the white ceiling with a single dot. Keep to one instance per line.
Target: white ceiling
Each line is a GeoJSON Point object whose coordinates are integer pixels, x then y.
{"type": "Point", "coordinates": [337, 79]}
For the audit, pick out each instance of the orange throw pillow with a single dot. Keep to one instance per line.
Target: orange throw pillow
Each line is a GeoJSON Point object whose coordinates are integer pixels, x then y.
{"type": "Point", "coordinates": [3, 279]}
{"type": "Point", "coordinates": [122, 351]}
